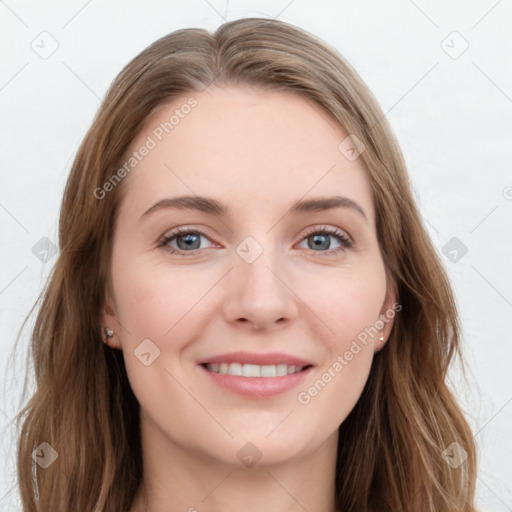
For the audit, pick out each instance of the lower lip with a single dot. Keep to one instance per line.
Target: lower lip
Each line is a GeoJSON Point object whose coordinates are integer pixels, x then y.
{"type": "Point", "coordinates": [257, 387]}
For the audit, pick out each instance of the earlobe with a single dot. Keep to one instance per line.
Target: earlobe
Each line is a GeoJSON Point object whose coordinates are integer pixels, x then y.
{"type": "Point", "coordinates": [387, 316]}
{"type": "Point", "coordinates": [110, 327]}
{"type": "Point", "coordinates": [107, 335]}
{"type": "Point", "coordinates": [380, 343]}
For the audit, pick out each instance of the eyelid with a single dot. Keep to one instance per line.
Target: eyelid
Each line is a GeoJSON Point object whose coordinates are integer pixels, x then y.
{"type": "Point", "coordinates": [186, 229]}
{"type": "Point", "coordinates": [332, 230]}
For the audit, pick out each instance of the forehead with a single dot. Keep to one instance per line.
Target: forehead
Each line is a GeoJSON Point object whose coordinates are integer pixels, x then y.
{"type": "Point", "coordinates": [251, 147]}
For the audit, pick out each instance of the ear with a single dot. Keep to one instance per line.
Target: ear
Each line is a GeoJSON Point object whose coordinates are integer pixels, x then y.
{"type": "Point", "coordinates": [109, 320]}
{"type": "Point", "coordinates": [389, 308]}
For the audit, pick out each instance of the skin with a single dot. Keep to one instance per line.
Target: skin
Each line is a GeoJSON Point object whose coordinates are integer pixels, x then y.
{"type": "Point", "coordinates": [258, 152]}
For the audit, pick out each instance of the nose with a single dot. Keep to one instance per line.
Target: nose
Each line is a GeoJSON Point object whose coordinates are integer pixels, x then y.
{"type": "Point", "coordinates": [257, 294]}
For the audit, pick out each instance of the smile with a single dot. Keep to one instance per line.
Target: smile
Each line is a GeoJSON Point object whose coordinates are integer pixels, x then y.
{"type": "Point", "coordinates": [254, 370]}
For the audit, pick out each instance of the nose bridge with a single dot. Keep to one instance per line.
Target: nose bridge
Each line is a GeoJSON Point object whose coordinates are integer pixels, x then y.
{"type": "Point", "coordinates": [258, 262]}
{"type": "Point", "coordinates": [257, 290]}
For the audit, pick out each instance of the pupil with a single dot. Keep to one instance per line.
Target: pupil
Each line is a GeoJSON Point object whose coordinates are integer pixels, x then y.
{"type": "Point", "coordinates": [188, 240]}
{"type": "Point", "coordinates": [321, 244]}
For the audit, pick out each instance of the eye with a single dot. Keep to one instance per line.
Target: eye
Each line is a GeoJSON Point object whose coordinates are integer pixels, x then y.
{"type": "Point", "coordinates": [188, 240]}
{"type": "Point", "coordinates": [318, 239]}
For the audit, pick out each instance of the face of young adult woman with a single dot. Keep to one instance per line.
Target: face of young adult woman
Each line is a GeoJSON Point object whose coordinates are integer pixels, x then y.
{"type": "Point", "coordinates": [255, 279]}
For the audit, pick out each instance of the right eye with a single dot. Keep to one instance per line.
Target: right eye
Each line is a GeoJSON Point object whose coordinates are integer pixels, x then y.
{"type": "Point", "coordinates": [187, 238]}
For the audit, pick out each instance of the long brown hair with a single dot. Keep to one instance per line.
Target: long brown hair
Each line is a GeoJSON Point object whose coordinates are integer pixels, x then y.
{"type": "Point", "coordinates": [391, 450]}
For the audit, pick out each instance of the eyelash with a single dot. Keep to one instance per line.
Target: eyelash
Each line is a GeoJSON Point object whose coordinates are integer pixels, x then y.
{"type": "Point", "coordinates": [345, 241]}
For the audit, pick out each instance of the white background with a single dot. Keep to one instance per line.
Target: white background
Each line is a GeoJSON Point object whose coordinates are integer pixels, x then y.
{"type": "Point", "coordinates": [452, 117]}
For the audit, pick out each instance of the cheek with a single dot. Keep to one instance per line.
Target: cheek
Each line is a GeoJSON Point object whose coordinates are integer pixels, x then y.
{"type": "Point", "coordinates": [350, 309]}
{"type": "Point", "coordinates": [154, 303]}
{"type": "Point", "coordinates": [151, 298]}
{"type": "Point", "coordinates": [351, 305]}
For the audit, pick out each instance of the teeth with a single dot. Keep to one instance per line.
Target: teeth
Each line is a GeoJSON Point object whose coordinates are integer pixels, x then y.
{"type": "Point", "coordinates": [235, 369]}
{"type": "Point", "coordinates": [282, 369]}
{"type": "Point", "coordinates": [253, 370]}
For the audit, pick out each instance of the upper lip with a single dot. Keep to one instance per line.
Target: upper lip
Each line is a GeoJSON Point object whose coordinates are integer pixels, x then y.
{"type": "Point", "coordinates": [271, 358]}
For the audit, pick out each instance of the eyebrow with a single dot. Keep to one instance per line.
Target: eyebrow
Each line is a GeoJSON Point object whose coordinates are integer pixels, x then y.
{"type": "Point", "coordinates": [213, 207]}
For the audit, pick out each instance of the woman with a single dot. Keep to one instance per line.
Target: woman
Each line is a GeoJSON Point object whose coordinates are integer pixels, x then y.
{"type": "Point", "coordinates": [238, 229]}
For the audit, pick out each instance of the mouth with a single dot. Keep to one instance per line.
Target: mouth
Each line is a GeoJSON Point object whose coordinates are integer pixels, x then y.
{"type": "Point", "coordinates": [255, 370]}
{"type": "Point", "coordinates": [256, 376]}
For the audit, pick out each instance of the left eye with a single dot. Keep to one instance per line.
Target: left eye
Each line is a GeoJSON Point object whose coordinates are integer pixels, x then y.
{"type": "Point", "coordinates": [188, 240]}
{"type": "Point", "coordinates": [320, 239]}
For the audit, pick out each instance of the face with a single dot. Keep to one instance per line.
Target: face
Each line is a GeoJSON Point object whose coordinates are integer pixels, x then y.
{"type": "Point", "coordinates": [255, 288]}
